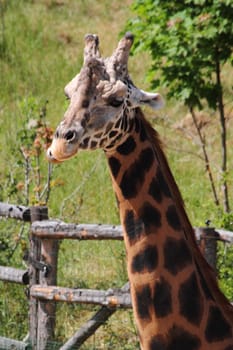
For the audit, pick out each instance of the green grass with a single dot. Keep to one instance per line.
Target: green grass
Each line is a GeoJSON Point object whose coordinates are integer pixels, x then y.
{"type": "Point", "coordinates": [41, 47]}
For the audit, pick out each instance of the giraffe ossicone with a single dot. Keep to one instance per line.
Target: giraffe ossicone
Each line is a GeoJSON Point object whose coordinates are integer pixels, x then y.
{"type": "Point", "coordinates": [176, 300]}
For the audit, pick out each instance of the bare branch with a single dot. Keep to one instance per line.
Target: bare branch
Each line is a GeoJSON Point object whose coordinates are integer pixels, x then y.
{"type": "Point", "coordinates": [27, 169]}
{"type": "Point", "coordinates": [47, 188]}
{"type": "Point", "coordinates": [206, 157]}
{"type": "Point", "coordinates": [78, 189]}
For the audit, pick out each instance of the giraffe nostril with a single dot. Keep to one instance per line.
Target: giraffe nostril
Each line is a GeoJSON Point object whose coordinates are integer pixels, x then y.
{"type": "Point", "coordinates": [49, 154]}
{"type": "Point", "coordinates": [70, 135]}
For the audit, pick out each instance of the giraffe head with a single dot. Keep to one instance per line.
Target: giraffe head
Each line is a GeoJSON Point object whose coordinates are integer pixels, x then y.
{"type": "Point", "coordinates": [102, 99]}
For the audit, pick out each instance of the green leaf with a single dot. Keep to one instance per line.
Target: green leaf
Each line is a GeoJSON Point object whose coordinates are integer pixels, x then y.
{"type": "Point", "coordinates": [185, 39]}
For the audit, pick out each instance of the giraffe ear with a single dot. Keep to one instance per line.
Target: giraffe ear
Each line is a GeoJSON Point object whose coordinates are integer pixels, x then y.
{"type": "Point", "coordinates": [153, 100]}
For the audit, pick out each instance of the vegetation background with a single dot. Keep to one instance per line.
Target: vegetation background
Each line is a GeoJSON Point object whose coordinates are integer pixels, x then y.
{"type": "Point", "coordinates": [41, 47]}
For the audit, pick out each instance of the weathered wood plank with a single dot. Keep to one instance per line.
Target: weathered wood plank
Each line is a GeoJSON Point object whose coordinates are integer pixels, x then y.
{"type": "Point", "coordinates": [56, 229]}
{"type": "Point", "coordinates": [11, 274]}
{"type": "Point", "coordinates": [18, 212]}
{"type": "Point", "coordinates": [47, 310]}
{"type": "Point", "coordinates": [225, 235]}
{"type": "Point", "coordinates": [61, 230]}
{"type": "Point", "coordinates": [89, 328]}
{"type": "Point", "coordinates": [109, 298]}
{"type": "Point", "coordinates": [42, 313]}
{"type": "Point", "coordinates": [208, 238]}
{"type": "Point", "coordinates": [9, 344]}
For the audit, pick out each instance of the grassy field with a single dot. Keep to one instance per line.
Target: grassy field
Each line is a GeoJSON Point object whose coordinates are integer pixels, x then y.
{"type": "Point", "coordinates": [41, 47]}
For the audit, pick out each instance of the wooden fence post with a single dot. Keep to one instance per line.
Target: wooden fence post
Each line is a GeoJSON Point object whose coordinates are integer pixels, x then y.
{"type": "Point", "coordinates": [43, 270]}
{"type": "Point", "coordinates": [34, 255]}
{"type": "Point", "coordinates": [47, 309]}
{"type": "Point", "coordinates": [208, 245]}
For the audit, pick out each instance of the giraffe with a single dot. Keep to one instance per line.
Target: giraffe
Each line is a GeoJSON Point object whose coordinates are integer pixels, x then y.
{"type": "Point", "coordinates": [176, 302]}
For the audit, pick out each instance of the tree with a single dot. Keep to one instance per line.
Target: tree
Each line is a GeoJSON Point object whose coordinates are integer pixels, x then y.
{"type": "Point", "coordinates": [189, 42]}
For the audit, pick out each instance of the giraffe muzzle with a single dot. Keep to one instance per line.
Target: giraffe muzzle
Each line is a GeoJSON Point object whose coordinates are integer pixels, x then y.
{"type": "Point", "coordinates": [61, 150]}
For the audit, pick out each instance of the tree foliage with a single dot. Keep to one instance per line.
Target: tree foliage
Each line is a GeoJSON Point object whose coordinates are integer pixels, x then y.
{"type": "Point", "coordinates": [186, 39]}
{"type": "Point", "coordinates": [189, 42]}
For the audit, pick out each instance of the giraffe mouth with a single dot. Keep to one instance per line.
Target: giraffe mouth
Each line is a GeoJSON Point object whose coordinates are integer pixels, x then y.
{"type": "Point", "coordinates": [60, 150]}
{"type": "Point", "coordinates": [55, 160]}
{"type": "Point", "coordinates": [51, 158]}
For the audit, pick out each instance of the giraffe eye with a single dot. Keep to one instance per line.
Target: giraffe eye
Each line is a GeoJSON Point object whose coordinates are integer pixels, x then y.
{"type": "Point", "coordinates": [70, 135]}
{"type": "Point", "coordinates": [116, 102]}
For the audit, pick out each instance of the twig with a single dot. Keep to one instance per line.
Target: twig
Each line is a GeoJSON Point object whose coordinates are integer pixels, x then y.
{"type": "Point", "coordinates": [81, 185]}
{"type": "Point", "coordinates": [206, 158]}
{"type": "Point", "coordinates": [37, 175]}
{"type": "Point", "coordinates": [47, 187]}
{"type": "Point", "coordinates": [11, 253]}
{"type": "Point", "coordinates": [26, 174]}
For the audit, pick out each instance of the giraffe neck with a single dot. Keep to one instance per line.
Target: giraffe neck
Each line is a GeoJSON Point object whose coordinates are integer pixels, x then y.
{"type": "Point", "coordinates": [172, 302]}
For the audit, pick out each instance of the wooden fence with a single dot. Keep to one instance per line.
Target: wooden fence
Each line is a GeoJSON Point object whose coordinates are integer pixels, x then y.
{"type": "Point", "coordinates": [43, 293]}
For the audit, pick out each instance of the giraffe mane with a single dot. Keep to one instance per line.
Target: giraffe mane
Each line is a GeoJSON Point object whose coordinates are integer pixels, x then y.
{"type": "Point", "coordinates": [203, 267]}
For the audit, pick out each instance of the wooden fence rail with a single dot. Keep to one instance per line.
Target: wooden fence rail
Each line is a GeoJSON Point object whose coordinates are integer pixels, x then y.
{"type": "Point", "coordinates": [56, 229]}
{"type": "Point", "coordinates": [110, 298]}
{"type": "Point", "coordinates": [13, 211]}
{"type": "Point", "coordinates": [42, 271]}
{"type": "Point", "coordinates": [11, 344]}
{"type": "Point", "coordinates": [11, 274]}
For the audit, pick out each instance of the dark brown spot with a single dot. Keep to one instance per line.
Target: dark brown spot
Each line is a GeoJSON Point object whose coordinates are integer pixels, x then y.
{"type": "Point", "coordinates": [146, 158]}
{"type": "Point", "coordinates": [127, 147]}
{"type": "Point", "coordinates": [150, 217]}
{"type": "Point", "coordinates": [84, 144]}
{"type": "Point", "coordinates": [190, 299]}
{"type": "Point", "coordinates": [217, 327]}
{"type": "Point", "coordinates": [155, 191]}
{"type": "Point", "coordinates": [177, 255]}
{"type": "Point", "coordinates": [137, 125]}
{"type": "Point", "coordinates": [162, 298]}
{"type": "Point", "coordinates": [108, 128]}
{"type": "Point", "coordinates": [85, 119]}
{"type": "Point", "coordinates": [143, 134]}
{"type": "Point", "coordinates": [173, 218]}
{"type": "Point", "coordinates": [143, 303]}
{"type": "Point", "coordinates": [124, 124]}
{"type": "Point", "coordinates": [85, 103]}
{"type": "Point", "coordinates": [163, 184]}
{"type": "Point", "coordinates": [159, 188]}
{"type": "Point", "coordinates": [180, 339]}
{"type": "Point", "coordinates": [134, 176]}
{"type": "Point", "coordinates": [131, 125]}
{"type": "Point", "coordinates": [93, 144]}
{"type": "Point", "coordinates": [204, 285]}
{"type": "Point", "coordinates": [146, 260]}
{"type": "Point", "coordinates": [118, 123]}
{"type": "Point", "coordinates": [103, 141]}
{"type": "Point", "coordinates": [157, 343]}
{"type": "Point", "coordinates": [112, 134]}
{"type": "Point", "coordinates": [133, 226]}
{"type": "Point", "coordinates": [98, 135]}
{"type": "Point", "coordinates": [118, 137]}
{"type": "Point", "coordinates": [115, 165]}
